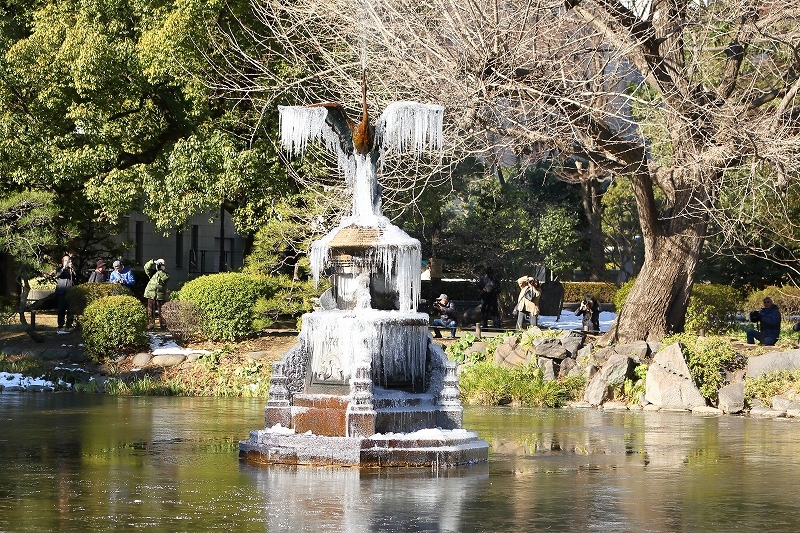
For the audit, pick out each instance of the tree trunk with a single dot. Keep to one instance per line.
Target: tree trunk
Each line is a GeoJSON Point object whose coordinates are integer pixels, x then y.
{"type": "Point", "coordinates": [657, 303]}
{"type": "Point", "coordinates": [590, 192]}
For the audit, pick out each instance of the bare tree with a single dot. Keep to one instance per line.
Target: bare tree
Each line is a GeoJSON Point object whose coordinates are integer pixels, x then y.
{"type": "Point", "coordinates": [697, 98]}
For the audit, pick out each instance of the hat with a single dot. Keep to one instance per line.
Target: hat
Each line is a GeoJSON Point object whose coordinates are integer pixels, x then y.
{"type": "Point", "coordinates": [443, 297]}
{"type": "Point", "coordinates": [117, 264]}
{"type": "Point", "coordinates": [160, 261]}
{"type": "Point", "coordinates": [100, 264]}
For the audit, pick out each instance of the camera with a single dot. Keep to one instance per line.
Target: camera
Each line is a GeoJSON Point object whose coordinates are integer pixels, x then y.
{"type": "Point", "coordinates": [755, 316]}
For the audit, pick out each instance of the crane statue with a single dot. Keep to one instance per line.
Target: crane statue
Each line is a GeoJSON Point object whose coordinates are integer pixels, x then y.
{"type": "Point", "coordinates": [403, 126]}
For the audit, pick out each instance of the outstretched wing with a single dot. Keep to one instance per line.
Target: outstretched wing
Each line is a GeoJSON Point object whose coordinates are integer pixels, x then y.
{"type": "Point", "coordinates": [319, 122]}
{"type": "Point", "coordinates": [410, 126]}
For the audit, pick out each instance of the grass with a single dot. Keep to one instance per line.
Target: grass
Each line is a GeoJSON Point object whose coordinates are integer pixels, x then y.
{"type": "Point", "coordinates": [485, 383]}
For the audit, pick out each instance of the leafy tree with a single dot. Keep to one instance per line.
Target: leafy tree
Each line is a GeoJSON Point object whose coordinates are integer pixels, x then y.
{"type": "Point", "coordinates": [112, 106]}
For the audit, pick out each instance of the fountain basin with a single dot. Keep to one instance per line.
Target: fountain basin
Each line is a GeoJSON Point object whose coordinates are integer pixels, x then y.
{"type": "Point", "coordinates": [428, 447]}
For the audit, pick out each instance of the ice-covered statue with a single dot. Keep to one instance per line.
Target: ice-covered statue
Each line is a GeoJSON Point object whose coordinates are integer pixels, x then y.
{"type": "Point", "coordinates": [364, 372]}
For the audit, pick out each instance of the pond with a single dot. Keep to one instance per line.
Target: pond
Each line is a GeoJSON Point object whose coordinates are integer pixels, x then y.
{"type": "Point", "coordinates": [71, 462]}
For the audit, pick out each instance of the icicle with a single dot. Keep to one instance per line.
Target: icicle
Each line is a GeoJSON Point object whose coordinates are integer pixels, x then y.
{"type": "Point", "coordinates": [299, 125]}
{"type": "Point", "coordinates": [410, 126]}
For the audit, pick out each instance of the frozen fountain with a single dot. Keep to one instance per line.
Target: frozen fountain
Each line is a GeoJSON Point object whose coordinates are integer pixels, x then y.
{"type": "Point", "coordinates": [365, 385]}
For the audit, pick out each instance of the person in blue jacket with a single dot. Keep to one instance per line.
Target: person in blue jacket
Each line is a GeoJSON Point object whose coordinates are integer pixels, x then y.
{"type": "Point", "coordinates": [770, 318]}
{"type": "Point", "coordinates": [122, 275]}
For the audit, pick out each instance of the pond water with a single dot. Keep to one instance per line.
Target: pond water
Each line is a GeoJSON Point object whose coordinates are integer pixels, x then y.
{"type": "Point", "coordinates": [72, 462]}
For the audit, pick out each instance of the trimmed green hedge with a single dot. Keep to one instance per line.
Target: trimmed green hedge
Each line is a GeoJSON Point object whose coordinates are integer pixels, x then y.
{"type": "Point", "coordinates": [227, 302]}
{"type": "Point", "coordinates": [113, 324]}
{"type": "Point", "coordinates": [712, 309]}
{"type": "Point", "coordinates": [80, 296]}
{"type": "Point", "coordinates": [603, 291]}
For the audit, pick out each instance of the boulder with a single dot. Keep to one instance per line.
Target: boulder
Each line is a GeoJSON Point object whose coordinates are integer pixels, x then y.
{"type": "Point", "coordinates": [477, 347]}
{"type": "Point", "coordinates": [784, 404]}
{"type": "Point", "coordinates": [601, 356]}
{"type": "Point", "coordinates": [77, 356]}
{"type": "Point", "coordinates": [706, 410]}
{"type": "Point", "coordinates": [141, 359]}
{"type": "Point", "coordinates": [572, 345]}
{"type": "Point", "coordinates": [168, 359]}
{"type": "Point", "coordinates": [639, 351]}
{"type": "Point", "coordinates": [773, 362]}
{"type": "Point", "coordinates": [667, 386]}
{"type": "Point", "coordinates": [55, 353]}
{"type": "Point", "coordinates": [548, 368]}
{"type": "Point", "coordinates": [255, 356]}
{"type": "Point", "coordinates": [615, 406]}
{"type": "Point", "coordinates": [566, 367]}
{"type": "Point", "coordinates": [731, 398]}
{"type": "Point", "coordinates": [766, 412]}
{"type": "Point", "coordinates": [611, 375]}
{"type": "Point", "coordinates": [507, 356]}
{"type": "Point", "coordinates": [584, 352]}
{"type": "Point", "coordinates": [552, 350]}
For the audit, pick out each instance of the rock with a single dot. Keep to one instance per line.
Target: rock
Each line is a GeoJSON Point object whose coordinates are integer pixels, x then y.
{"type": "Point", "coordinates": [639, 351]}
{"type": "Point", "coordinates": [104, 370]}
{"type": "Point", "coordinates": [672, 360]}
{"type": "Point", "coordinates": [766, 412]}
{"type": "Point", "coordinates": [731, 398]}
{"type": "Point", "coordinates": [706, 410]}
{"type": "Point", "coordinates": [584, 352]}
{"type": "Point", "coordinates": [255, 356]}
{"type": "Point", "coordinates": [11, 350]}
{"type": "Point", "coordinates": [794, 413]}
{"type": "Point", "coordinates": [611, 375]}
{"type": "Point", "coordinates": [13, 388]}
{"type": "Point", "coordinates": [547, 367]}
{"type": "Point", "coordinates": [601, 356]}
{"type": "Point", "coordinates": [669, 389]}
{"type": "Point", "coordinates": [566, 367]}
{"type": "Point", "coordinates": [40, 388]}
{"type": "Point", "coordinates": [141, 359]}
{"type": "Point", "coordinates": [192, 357]}
{"type": "Point", "coordinates": [54, 353]}
{"type": "Point", "coordinates": [511, 340]}
{"type": "Point", "coordinates": [615, 406]}
{"type": "Point", "coordinates": [737, 376]}
{"type": "Point", "coordinates": [580, 405]}
{"type": "Point", "coordinates": [773, 362]}
{"type": "Point", "coordinates": [168, 359]}
{"type": "Point", "coordinates": [784, 404]}
{"type": "Point", "coordinates": [77, 356]}
{"type": "Point", "coordinates": [477, 347]}
{"type": "Point", "coordinates": [118, 358]}
{"type": "Point", "coordinates": [651, 407]}
{"type": "Point", "coordinates": [572, 345]}
{"type": "Point", "coordinates": [552, 351]}
{"type": "Point", "coordinates": [654, 346]}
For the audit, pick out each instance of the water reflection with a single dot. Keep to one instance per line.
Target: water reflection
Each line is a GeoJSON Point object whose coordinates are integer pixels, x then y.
{"type": "Point", "coordinates": [83, 462]}
{"type": "Point", "coordinates": [351, 499]}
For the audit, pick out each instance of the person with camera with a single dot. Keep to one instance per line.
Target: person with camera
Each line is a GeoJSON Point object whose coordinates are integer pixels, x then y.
{"type": "Point", "coordinates": [527, 301]}
{"type": "Point", "coordinates": [98, 275]}
{"type": "Point", "coordinates": [489, 287]}
{"type": "Point", "coordinates": [770, 318]}
{"type": "Point", "coordinates": [121, 275]}
{"type": "Point", "coordinates": [447, 316]}
{"type": "Point", "coordinates": [65, 278]}
{"type": "Point", "coordinates": [156, 291]}
{"type": "Point", "coordinates": [590, 311]}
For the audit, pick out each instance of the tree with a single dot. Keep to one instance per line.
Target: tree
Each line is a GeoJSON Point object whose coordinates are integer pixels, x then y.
{"type": "Point", "coordinates": [110, 105]}
{"type": "Point", "coordinates": [693, 99]}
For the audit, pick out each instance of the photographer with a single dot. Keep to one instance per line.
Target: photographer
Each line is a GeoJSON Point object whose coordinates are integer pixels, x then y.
{"type": "Point", "coordinates": [770, 318]}
{"type": "Point", "coordinates": [590, 311]}
{"type": "Point", "coordinates": [66, 277]}
{"type": "Point", "coordinates": [528, 301]}
{"type": "Point", "coordinates": [447, 316]}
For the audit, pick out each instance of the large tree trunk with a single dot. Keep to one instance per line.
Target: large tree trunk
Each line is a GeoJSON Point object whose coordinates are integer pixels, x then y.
{"type": "Point", "coordinates": [590, 192]}
{"type": "Point", "coordinates": [658, 300]}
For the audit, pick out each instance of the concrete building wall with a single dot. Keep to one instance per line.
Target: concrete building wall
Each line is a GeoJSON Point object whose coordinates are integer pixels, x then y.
{"type": "Point", "coordinates": [188, 253]}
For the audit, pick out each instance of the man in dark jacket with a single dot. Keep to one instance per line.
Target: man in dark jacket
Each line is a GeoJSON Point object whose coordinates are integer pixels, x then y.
{"type": "Point", "coordinates": [65, 278]}
{"type": "Point", "coordinates": [447, 316]}
{"type": "Point", "coordinates": [589, 310]}
{"type": "Point", "coordinates": [489, 287]}
{"type": "Point", "coordinates": [770, 318]}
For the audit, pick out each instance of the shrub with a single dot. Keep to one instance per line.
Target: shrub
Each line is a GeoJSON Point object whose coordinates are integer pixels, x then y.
{"type": "Point", "coordinates": [488, 384]}
{"type": "Point", "coordinates": [289, 297]}
{"type": "Point", "coordinates": [183, 319]}
{"type": "Point", "coordinates": [227, 301]}
{"type": "Point", "coordinates": [766, 386]}
{"type": "Point", "coordinates": [80, 296]}
{"type": "Point", "coordinates": [457, 351]}
{"type": "Point", "coordinates": [574, 291]}
{"type": "Point", "coordinates": [112, 324]}
{"type": "Point", "coordinates": [622, 294]}
{"type": "Point", "coordinates": [787, 298]}
{"type": "Point", "coordinates": [712, 309]}
{"type": "Point", "coordinates": [708, 358]}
